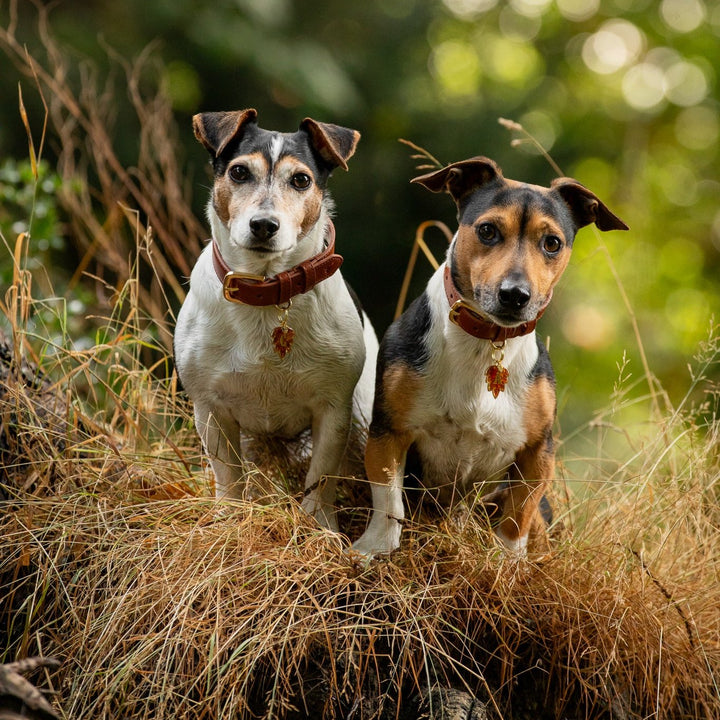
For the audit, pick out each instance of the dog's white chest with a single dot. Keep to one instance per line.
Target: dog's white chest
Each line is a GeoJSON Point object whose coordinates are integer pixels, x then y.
{"type": "Point", "coordinates": [228, 363]}
{"type": "Point", "coordinates": [264, 401]}
{"type": "Point", "coordinates": [464, 434]}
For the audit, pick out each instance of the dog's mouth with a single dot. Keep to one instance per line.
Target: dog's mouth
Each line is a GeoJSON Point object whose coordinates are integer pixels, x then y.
{"type": "Point", "coordinates": [510, 319]}
{"type": "Point", "coordinates": [262, 249]}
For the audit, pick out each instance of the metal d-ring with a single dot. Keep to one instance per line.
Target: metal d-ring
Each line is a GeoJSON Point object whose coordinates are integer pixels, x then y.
{"type": "Point", "coordinates": [498, 351]}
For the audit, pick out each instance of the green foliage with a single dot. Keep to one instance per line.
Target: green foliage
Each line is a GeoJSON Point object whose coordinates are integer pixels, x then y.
{"type": "Point", "coordinates": [28, 204]}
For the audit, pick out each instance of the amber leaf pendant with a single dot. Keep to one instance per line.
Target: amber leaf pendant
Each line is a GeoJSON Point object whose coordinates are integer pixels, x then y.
{"type": "Point", "coordinates": [496, 376]}
{"type": "Point", "coordinates": [283, 335]}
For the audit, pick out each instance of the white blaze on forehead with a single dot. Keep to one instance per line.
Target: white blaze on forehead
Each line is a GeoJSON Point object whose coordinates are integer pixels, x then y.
{"type": "Point", "coordinates": [276, 147]}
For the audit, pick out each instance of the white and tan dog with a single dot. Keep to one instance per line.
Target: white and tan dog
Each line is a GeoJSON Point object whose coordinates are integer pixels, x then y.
{"type": "Point", "coordinates": [464, 387]}
{"type": "Point", "coordinates": [271, 342]}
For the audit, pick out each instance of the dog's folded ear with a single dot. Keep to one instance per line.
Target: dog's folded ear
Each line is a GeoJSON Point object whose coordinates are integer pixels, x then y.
{"type": "Point", "coordinates": [461, 178]}
{"type": "Point", "coordinates": [215, 130]}
{"type": "Point", "coordinates": [585, 206]}
{"type": "Point", "coordinates": [335, 144]}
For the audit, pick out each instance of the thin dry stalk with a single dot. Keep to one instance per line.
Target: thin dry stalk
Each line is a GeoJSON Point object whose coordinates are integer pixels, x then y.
{"type": "Point", "coordinates": [419, 244]}
{"type": "Point", "coordinates": [96, 184]}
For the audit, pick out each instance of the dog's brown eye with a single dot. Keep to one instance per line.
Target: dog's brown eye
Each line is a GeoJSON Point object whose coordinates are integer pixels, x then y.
{"type": "Point", "coordinates": [239, 174]}
{"type": "Point", "coordinates": [552, 244]}
{"type": "Point", "coordinates": [300, 181]}
{"type": "Point", "coordinates": [487, 233]}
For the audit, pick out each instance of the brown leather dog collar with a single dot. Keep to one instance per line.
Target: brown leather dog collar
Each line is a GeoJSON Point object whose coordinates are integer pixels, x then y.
{"type": "Point", "coordinates": [256, 290]}
{"type": "Point", "coordinates": [467, 318]}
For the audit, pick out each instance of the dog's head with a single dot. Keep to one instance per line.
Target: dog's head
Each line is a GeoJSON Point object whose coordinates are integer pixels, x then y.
{"type": "Point", "coordinates": [270, 187]}
{"type": "Point", "coordinates": [514, 239]}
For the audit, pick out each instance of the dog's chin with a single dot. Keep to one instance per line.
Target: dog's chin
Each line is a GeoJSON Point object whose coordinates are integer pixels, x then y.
{"type": "Point", "coordinates": [509, 320]}
{"type": "Point", "coordinates": [263, 251]}
{"type": "Point", "coordinates": [267, 252]}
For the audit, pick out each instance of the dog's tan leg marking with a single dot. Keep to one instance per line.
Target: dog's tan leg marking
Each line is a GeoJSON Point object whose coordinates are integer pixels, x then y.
{"type": "Point", "coordinates": [385, 461]}
{"type": "Point", "coordinates": [534, 468]}
{"type": "Point", "coordinates": [385, 468]}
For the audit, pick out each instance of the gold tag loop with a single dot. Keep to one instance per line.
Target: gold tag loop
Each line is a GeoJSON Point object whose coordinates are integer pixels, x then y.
{"type": "Point", "coordinates": [283, 335]}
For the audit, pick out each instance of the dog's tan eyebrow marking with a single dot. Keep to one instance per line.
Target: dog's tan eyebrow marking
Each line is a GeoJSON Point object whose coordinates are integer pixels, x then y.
{"type": "Point", "coordinates": [540, 225]}
{"type": "Point", "coordinates": [256, 162]}
{"type": "Point", "coordinates": [290, 165]}
{"type": "Point", "coordinates": [507, 220]}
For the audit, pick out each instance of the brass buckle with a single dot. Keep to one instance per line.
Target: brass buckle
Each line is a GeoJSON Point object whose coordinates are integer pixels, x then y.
{"type": "Point", "coordinates": [227, 288]}
{"type": "Point", "coordinates": [458, 305]}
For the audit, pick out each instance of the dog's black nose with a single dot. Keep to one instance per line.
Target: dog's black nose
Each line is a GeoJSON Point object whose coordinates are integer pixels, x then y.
{"type": "Point", "coordinates": [264, 227]}
{"type": "Point", "coordinates": [514, 295]}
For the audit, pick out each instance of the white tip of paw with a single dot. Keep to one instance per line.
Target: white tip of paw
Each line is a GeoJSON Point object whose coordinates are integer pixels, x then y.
{"type": "Point", "coordinates": [381, 537]}
{"type": "Point", "coordinates": [514, 547]}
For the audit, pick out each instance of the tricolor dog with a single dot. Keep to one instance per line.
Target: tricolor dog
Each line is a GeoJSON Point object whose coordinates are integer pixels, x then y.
{"type": "Point", "coordinates": [270, 341]}
{"type": "Point", "coordinates": [463, 385]}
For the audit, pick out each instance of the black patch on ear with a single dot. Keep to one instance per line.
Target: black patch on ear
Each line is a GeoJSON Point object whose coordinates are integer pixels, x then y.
{"type": "Point", "coordinates": [460, 179]}
{"type": "Point", "coordinates": [216, 130]}
{"type": "Point", "coordinates": [585, 206]}
{"type": "Point", "coordinates": [334, 144]}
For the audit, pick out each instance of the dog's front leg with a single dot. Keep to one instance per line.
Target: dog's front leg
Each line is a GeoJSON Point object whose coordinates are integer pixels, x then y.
{"type": "Point", "coordinates": [330, 433]}
{"type": "Point", "coordinates": [220, 434]}
{"type": "Point", "coordinates": [385, 466]}
{"type": "Point", "coordinates": [533, 469]}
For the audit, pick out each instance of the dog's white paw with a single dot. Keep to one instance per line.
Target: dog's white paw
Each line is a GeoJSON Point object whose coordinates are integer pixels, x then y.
{"type": "Point", "coordinates": [515, 548]}
{"type": "Point", "coordinates": [381, 537]}
{"type": "Point", "coordinates": [324, 514]}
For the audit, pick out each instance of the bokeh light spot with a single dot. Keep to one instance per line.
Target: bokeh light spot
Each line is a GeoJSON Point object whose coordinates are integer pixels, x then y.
{"type": "Point", "coordinates": [688, 312]}
{"type": "Point", "coordinates": [512, 62]}
{"type": "Point", "coordinates": [530, 8]}
{"type": "Point", "coordinates": [682, 16]}
{"type": "Point", "coordinates": [644, 86]}
{"type": "Point", "coordinates": [542, 126]}
{"type": "Point", "coordinates": [681, 260]}
{"type": "Point", "coordinates": [697, 128]}
{"type": "Point", "coordinates": [456, 67]}
{"type": "Point", "coordinates": [617, 44]}
{"type": "Point", "coordinates": [469, 9]}
{"type": "Point", "coordinates": [588, 327]}
{"type": "Point", "coordinates": [685, 84]}
{"type": "Point", "coordinates": [679, 184]}
{"type": "Point", "coordinates": [182, 84]}
{"type": "Point", "coordinates": [578, 10]}
{"type": "Point", "coordinates": [518, 27]}
{"type": "Point", "coordinates": [716, 230]}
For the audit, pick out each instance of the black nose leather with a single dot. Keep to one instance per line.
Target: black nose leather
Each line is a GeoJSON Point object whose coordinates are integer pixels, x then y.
{"type": "Point", "coordinates": [264, 227]}
{"type": "Point", "coordinates": [513, 295]}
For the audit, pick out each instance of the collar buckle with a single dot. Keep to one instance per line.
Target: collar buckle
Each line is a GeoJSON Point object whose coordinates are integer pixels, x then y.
{"type": "Point", "coordinates": [228, 284]}
{"type": "Point", "coordinates": [459, 305]}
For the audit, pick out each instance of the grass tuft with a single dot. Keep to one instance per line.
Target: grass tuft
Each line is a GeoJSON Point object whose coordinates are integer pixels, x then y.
{"type": "Point", "coordinates": [160, 602]}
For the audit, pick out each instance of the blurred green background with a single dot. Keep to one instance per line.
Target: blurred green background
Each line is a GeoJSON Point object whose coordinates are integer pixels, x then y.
{"type": "Point", "coordinates": [622, 93]}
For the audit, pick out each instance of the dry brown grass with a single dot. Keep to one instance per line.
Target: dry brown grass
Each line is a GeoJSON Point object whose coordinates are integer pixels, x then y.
{"type": "Point", "coordinates": [160, 603]}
